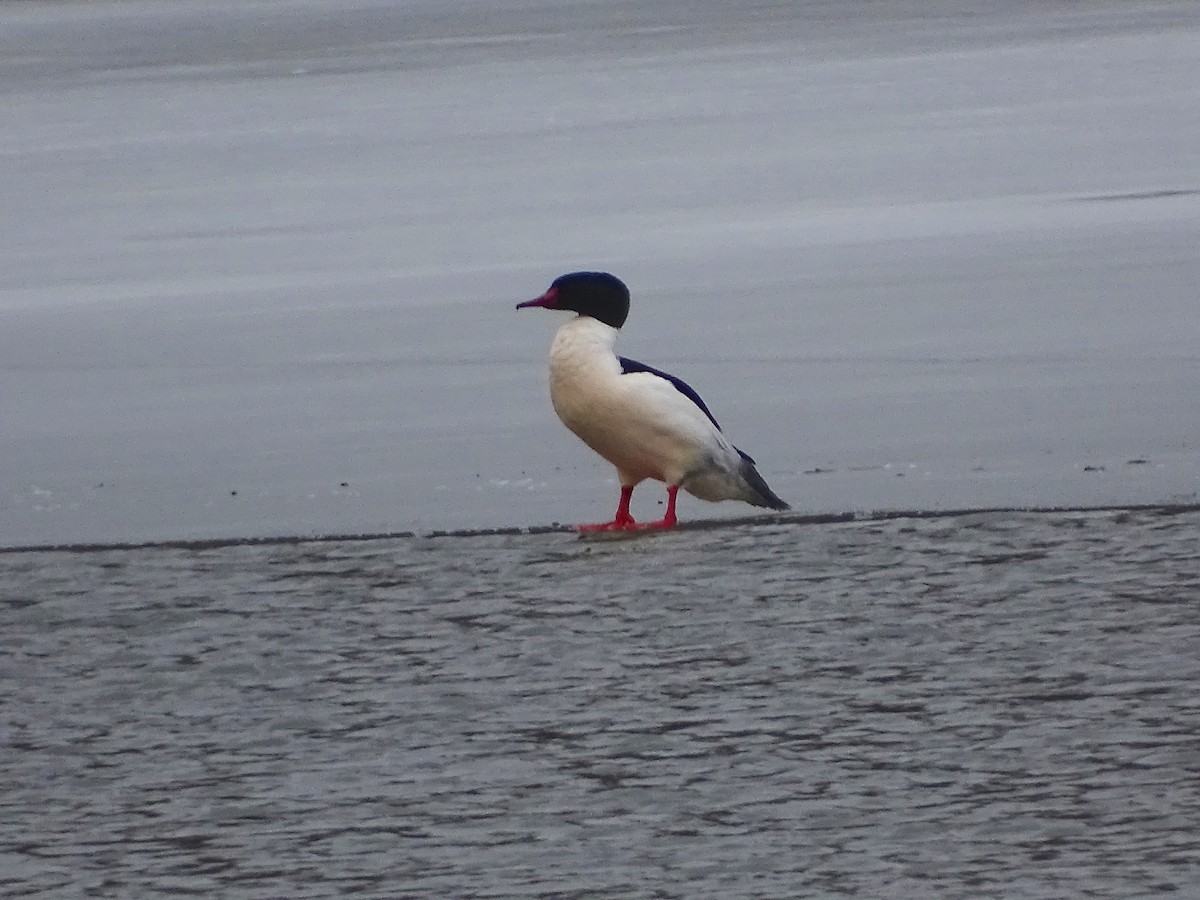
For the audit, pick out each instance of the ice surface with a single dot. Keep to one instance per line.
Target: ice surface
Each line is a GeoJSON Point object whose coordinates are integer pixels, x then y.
{"type": "Point", "coordinates": [986, 705]}
{"type": "Point", "coordinates": [258, 261]}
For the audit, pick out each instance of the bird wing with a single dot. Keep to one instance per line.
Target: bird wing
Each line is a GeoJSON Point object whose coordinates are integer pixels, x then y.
{"type": "Point", "coordinates": [629, 366]}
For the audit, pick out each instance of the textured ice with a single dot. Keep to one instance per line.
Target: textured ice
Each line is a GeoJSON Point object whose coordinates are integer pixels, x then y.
{"type": "Point", "coordinates": [999, 705]}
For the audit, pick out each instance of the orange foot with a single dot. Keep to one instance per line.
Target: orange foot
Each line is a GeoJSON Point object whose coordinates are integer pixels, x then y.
{"type": "Point", "coordinates": [624, 521]}
{"type": "Point", "coordinates": [665, 522]}
{"type": "Point", "coordinates": [614, 525]}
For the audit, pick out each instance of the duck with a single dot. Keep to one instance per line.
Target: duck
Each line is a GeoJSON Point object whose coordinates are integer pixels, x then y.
{"type": "Point", "coordinates": [647, 423]}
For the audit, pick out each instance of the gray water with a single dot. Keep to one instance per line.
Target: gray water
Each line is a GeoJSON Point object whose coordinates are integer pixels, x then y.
{"type": "Point", "coordinates": [988, 705]}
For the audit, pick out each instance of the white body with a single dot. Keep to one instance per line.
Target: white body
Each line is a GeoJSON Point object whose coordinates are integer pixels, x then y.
{"type": "Point", "coordinates": [639, 422]}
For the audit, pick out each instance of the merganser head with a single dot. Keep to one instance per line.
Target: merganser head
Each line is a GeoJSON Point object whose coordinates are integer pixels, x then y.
{"type": "Point", "coordinates": [596, 294]}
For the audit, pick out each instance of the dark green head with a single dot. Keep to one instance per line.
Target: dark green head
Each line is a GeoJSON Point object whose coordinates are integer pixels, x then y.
{"type": "Point", "coordinates": [596, 294]}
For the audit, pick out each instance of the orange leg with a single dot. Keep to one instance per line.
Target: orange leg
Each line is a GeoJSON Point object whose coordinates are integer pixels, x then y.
{"type": "Point", "coordinates": [623, 521]}
{"type": "Point", "coordinates": [668, 520]}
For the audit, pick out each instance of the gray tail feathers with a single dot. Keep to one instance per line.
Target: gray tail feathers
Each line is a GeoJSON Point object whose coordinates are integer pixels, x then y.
{"type": "Point", "coordinates": [760, 494]}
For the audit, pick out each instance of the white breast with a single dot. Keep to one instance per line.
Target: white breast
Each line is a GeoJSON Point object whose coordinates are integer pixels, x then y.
{"type": "Point", "coordinates": [640, 423]}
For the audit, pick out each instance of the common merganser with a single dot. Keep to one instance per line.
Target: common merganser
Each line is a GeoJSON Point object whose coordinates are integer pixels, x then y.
{"type": "Point", "coordinates": [645, 422]}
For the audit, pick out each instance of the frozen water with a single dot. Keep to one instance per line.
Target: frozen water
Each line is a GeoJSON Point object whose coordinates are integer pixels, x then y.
{"type": "Point", "coordinates": [999, 705]}
{"type": "Point", "coordinates": [258, 261]}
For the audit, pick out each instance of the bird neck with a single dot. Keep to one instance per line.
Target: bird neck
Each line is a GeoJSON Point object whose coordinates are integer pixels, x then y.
{"type": "Point", "coordinates": [584, 342]}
